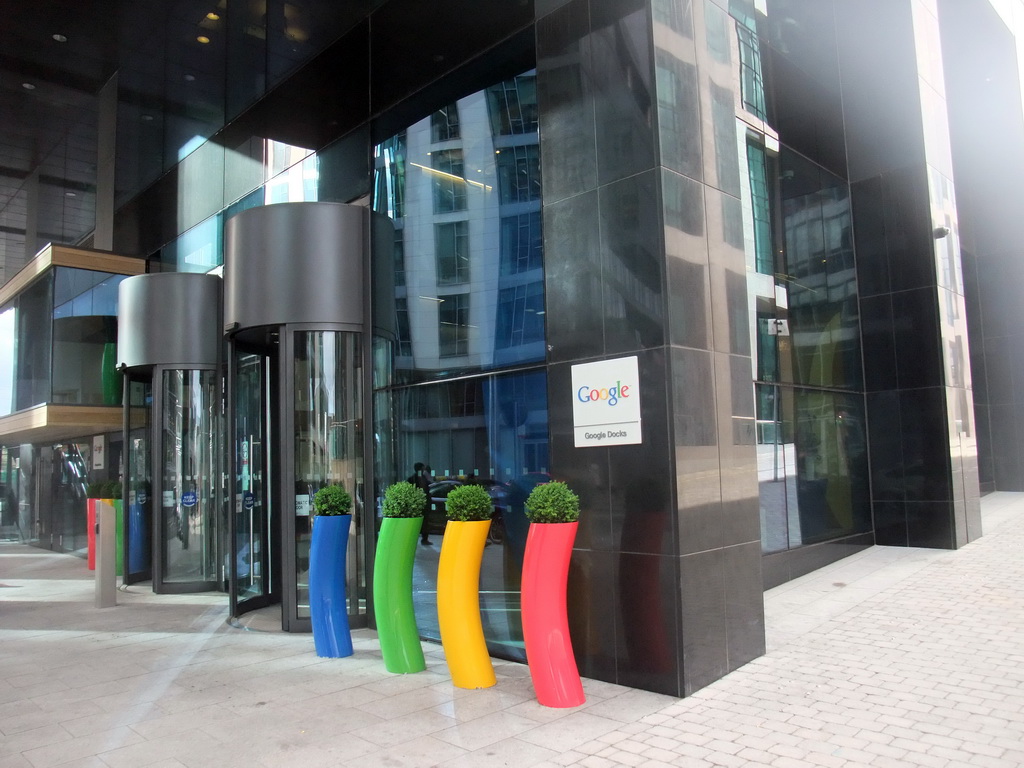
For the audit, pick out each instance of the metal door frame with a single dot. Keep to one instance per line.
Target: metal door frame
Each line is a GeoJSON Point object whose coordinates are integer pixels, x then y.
{"type": "Point", "coordinates": [147, 574]}
{"type": "Point", "coordinates": [270, 543]}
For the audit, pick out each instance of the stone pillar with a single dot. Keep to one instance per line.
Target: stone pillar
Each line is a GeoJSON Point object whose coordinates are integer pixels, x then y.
{"type": "Point", "coordinates": [643, 242]}
{"type": "Point", "coordinates": [921, 434]}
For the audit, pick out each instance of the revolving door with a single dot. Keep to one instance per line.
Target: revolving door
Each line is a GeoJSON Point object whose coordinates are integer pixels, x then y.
{"type": "Point", "coordinates": [297, 373]}
{"type": "Point", "coordinates": [296, 399]}
{"type": "Point", "coordinates": [169, 350]}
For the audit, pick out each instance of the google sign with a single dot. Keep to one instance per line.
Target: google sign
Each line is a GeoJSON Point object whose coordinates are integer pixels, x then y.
{"type": "Point", "coordinates": [606, 402]}
{"type": "Point", "coordinates": [611, 394]}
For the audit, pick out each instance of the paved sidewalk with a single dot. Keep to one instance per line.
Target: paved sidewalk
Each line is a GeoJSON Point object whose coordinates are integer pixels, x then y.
{"type": "Point", "coordinates": [893, 657]}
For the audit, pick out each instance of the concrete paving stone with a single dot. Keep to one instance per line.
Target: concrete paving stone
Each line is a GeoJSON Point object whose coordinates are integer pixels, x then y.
{"type": "Point", "coordinates": [925, 760]}
{"type": "Point", "coordinates": [920, 642]}
{"type": "Point", "coordinates": [992, 762]}
{"type": "Point", "coordinates": [81, 747]}
{"type": "Point", "coordinates": [502, 754]}
{"type": "Point", "coordinates": [25, 741]}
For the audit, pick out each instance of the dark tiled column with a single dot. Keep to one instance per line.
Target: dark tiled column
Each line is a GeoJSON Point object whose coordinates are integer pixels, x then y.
{"type": "Point", "coordinates": [644, 255]}
{"type": "Point", "coordinates": [920, 420]}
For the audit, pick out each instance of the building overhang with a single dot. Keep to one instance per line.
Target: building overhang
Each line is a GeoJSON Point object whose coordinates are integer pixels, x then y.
{"type": "Point", "coordinates": [58, 423]}
{"type": "Point", "coordinates": [65, 256]}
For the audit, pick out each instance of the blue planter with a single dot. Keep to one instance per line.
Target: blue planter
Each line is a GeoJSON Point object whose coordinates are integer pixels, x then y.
{"type": "Point", "coordinates": [138, 539]}
{"type": "Point", "coordinates": [328, 611]}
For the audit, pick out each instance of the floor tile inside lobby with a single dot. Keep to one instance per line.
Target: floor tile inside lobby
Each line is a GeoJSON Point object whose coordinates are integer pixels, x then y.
{"type": "Point", "coordinates": [893, 657]}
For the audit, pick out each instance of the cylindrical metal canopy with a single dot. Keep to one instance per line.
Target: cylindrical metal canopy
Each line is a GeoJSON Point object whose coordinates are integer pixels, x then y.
{"type": "Point", "coordinates": [169, 318]}
{"type": "Point", "coordinates": [295, 263]}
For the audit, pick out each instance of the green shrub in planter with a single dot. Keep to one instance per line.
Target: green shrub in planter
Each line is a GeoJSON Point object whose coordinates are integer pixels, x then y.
{"type": "Point", "coordinates": [332, 500]}
{"type": "Point", "coordinates": [95, 490]}
{"type": "Point", "coordinates": [469, 502]}
{"type": "Point", "coordinates": [403, 500]}
{"type": "Point", "coordinates": [112, 489]}
{"type": "Point", "coordinates": [553, 503]}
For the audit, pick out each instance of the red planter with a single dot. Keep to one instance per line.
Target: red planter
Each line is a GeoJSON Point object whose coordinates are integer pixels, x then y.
{"type": "Point", "coordinates": [556, 679]}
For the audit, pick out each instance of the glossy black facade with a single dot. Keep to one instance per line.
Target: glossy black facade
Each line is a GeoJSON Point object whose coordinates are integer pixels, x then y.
{"type": "Point", "coordinates": [872, 415]}
{"type": "Point", "coordinates": [641, 212]}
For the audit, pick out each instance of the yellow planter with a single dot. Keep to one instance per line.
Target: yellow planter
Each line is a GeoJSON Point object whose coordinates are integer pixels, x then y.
{"type": "Point", "coordinates": [458, 604]}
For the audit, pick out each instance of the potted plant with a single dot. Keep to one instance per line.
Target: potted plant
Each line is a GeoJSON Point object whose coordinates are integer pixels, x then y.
{"type": "Point", "coordinates": [468, 508]}
{"type": "Point", "coordinates": [328, 609]}
{"type": "Point", "coordinates": [403, 508]}
{"type": "Point", "coordinates": [554, 511]}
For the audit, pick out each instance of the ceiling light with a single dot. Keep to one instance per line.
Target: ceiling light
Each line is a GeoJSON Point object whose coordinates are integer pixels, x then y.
{"type": "Point", "coordinates": [203, 39]}
{"type": "Point", "coordinates": [189, 78]}
{"type": "Point", "coordinates": [28, 86]}
{"type": "Point", "coordinates": [147, 118]}
{"type": "Point", "coordinates": [213, 16]}
{"type": "Point", "coordinates": [59, 38]}
{"type": "Point", "coordinates": [69, 194]}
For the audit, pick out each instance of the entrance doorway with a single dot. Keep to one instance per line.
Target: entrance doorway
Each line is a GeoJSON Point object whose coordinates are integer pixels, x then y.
{"type": "Point", "coordinates": [296, 398]}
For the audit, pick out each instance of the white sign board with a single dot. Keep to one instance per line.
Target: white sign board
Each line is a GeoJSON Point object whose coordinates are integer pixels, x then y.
{"type": "Point", "coordinates": [98, 443]}
{"type": "Point", "coordinates": [606, 402]}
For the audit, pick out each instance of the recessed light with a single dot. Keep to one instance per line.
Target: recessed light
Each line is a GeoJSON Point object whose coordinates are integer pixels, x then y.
{"type": "Point", "coordinates": [213, 16]}
{"type": "Point", "coordinates": [147, 118]}
{"type": "Point", "coordinates": [189, 78]}
{"type": "Point", "coordinates": [28, 86]}
{"type": "Point", "coordinates": [59, 38]}
{"type": "Point", "coordinates": [203, 39]}
{"type": "Point", "coordinates": [69, 194]}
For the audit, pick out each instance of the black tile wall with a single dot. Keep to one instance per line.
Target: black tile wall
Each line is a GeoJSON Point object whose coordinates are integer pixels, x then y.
{"type": "Point", "coordinates": [930, 524]}
{"type": "Point", "coordinates": [592, 606]}
{"type": "Point", "coordinates": [744, 603]}
{"type": "Point", "coordinates": [891, 523]}
{"type": "Point", "coordinates": [648, 600]}
{"type": "Point", "coordinates": [566, 100]}
{"type": "Point", "coordinates": [925, 445]}
{"type": "Point", "coordinates": [632, 264]}
{"type": "Point", "coordinates": [916, 338]}
{"type": "Point", "coordinates": [572, 278]}
{"type": "Point", "coordinates": [705, 653]}
{"type": "Point", "coordinates": [644, 257]}
{"type": "Point", "coordinates": [624, 98]}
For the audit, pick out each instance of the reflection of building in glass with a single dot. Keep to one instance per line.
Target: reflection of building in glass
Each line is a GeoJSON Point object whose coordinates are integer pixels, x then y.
{"type": "Point", "coordinates": [463, 190]}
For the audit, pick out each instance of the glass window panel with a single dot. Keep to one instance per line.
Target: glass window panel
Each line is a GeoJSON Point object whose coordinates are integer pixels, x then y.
{"type": "Point", "coordinates": [33, 344]}
{"type": "Point", "coordinates": [250, 503]}
{"type": "Point", "coordinates": [444, 123]}
{"type": "Point", "coordinates": [453, 324]}
{"type": "Point", "coordinates": [491, 183]}
{"type": "Point", "coordinates": [819, 276]}
{"type": "Point", "coordinates": [190, 476]}
{"type": "Point", "coordinates": [519, 174]}
{"type": "Point", "coordinates": [757, 169]}
{"type": "Point", "coordinates": [403, 330]}
{"type": "Point", "coordinates": [451, 248]}
{"type": "Point", "coordinates": [512, 105]}
{"type": "Point", "coordinates": [328, 444]}
{"type": "Point", "coordinates": [522, 244]}
{"type": "Point", "coordinates": [493, 433]}
{"type": "Point", "coordinates": [449, 181]}
{"type": "Point", "coordinates": [812, 466]}
{"type": "Point", "coordinates": [7, 346]}
{"type": "Point", "coordinates": [138, 471]}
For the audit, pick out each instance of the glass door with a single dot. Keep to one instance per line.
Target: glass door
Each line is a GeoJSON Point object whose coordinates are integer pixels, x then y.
{"type": "Point", "coordinates": [324, 415]}
{"type": "Point", "coordinates": [138, 507]}
{"type": "Point", "coordinates": [254, 577]}
{"type": "Point", "coordinates": [186, 548]}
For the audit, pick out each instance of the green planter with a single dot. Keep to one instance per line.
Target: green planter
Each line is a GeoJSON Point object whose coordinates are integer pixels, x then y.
{"type": "Point", "coordinates": [392, 595]}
